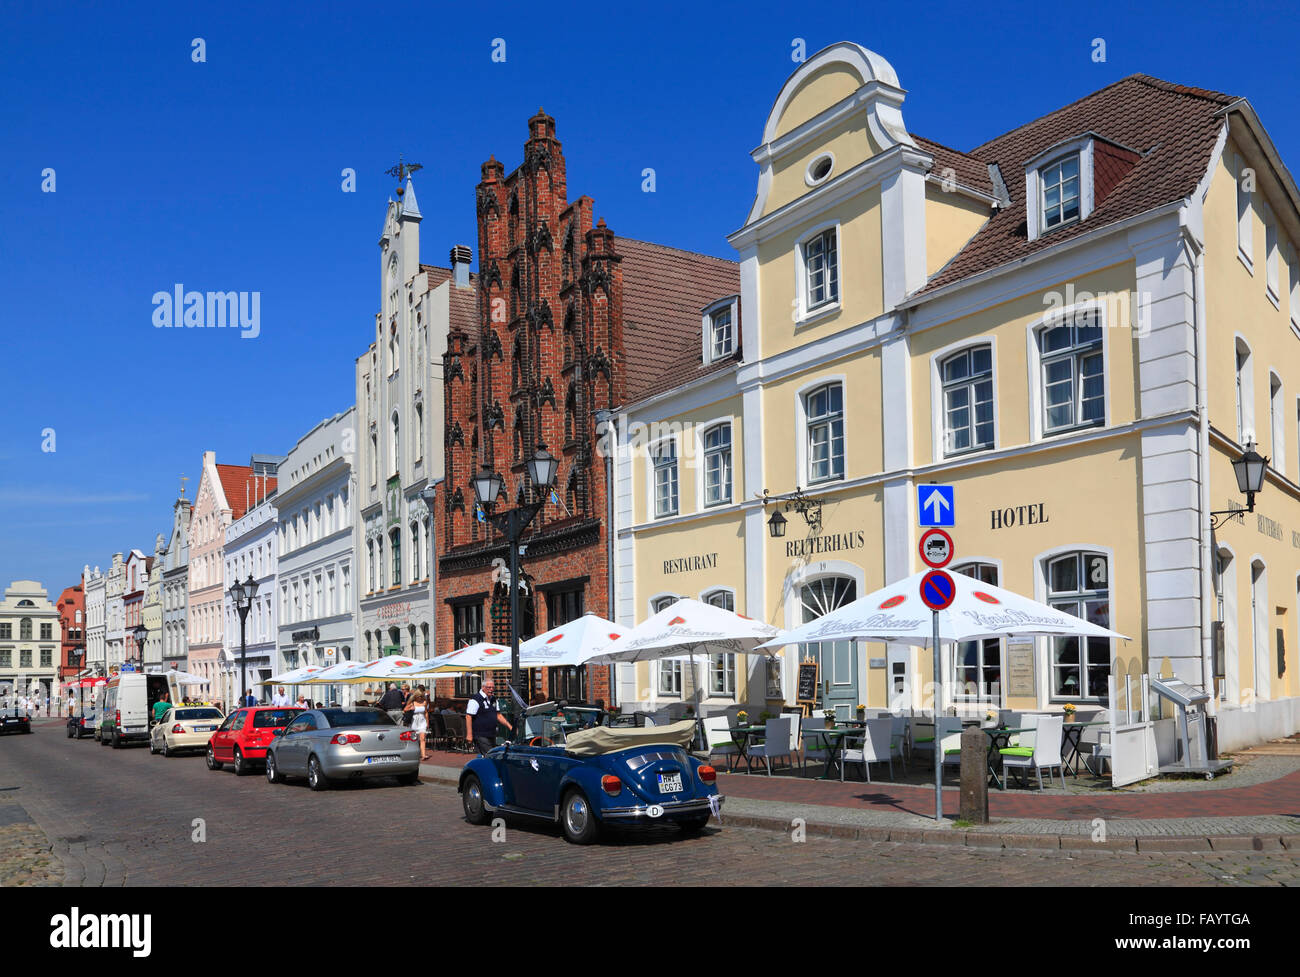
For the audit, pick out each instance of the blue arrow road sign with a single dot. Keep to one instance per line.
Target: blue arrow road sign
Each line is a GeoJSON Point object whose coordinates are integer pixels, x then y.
{"type": "Point", "coordinates": [934, 505]}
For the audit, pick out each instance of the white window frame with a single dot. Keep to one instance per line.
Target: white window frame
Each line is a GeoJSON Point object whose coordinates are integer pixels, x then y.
{"type": "Point", "coordinates": [950, 650]}
{"type": "Point", "coordinates": [803, 313]}
{"type": "Point", "coordinates": [1037, 411]}
{"type": "Point", "coordinates": [1043, 653]}
{"type": "Point", "coordinates": [1244, 382]}
{"type": "Point", "coordinates": [701, 482]}
{"type": "Point", "coordinates": [1083, 148]}
{"type": "Point", "coordinates": [938, 409]}
{"type": "Point", "coordinates": [730, 304]}
{"type": "Point", "coordinates": [1271, 287]}
{"type": "Point", "coordinates": [802, 469]}
{"type": "Point", "coordinates": [1245, 225]}
{"type": "Point", "coordinates": [652, 468]}
{"type": "Point", "coordinates": [729, 668]}
{"type": "Point", "coordinates": [674, 669]}
{"type": "Point", "coordinates": [1293, 287]}
{"type": "Point", "coordinates": [1277, 421]}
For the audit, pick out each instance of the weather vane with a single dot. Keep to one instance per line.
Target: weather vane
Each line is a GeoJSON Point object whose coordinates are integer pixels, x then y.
{"type": "Point", "coordinates": [184, 479]}
{"type": "Point", "coordinates": [402, 170]}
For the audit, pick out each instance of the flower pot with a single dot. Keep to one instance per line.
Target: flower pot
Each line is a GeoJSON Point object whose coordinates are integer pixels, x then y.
{"type": "Point", "coordinates": [829, 721]}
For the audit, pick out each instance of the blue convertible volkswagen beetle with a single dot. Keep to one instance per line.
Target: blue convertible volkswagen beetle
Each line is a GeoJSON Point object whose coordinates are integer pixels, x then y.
{"type": "Point", "coordinates": [598, 776]}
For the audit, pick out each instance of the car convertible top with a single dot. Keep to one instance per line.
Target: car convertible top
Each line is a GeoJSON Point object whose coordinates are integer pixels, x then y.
{"type": "Point", "coordinates": [605, 739]}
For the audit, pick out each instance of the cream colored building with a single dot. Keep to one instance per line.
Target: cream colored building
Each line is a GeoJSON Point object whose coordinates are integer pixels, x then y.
{"type": "Point", "coordinates": [29, 642]}
{"type": "Point", "coordinates": [1076, 325]}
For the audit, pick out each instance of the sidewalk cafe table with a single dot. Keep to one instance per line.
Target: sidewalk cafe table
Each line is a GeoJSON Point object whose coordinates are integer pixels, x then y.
{"type": "Point", "coordinates": [999, 739]}
{"type": "Point", "coordinates": [741, 736]}
{"type": "Point", "coordinates": [834, 749]}
{"type": "Point", "coordinates": [1073, 732]}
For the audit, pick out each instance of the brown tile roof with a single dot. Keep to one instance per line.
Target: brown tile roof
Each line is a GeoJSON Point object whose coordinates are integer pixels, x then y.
{"type": "Point", "coordinates": [463, 306]}
{"type": "Point", "coordinates": [664, 290]}
{"type": "Point", "coordinates": [1174, 128]}
{"type": "Point", "coordinates": [436, 274]}
{"type": "Point", "coordinates": [970, 171]}
{"type": "Point", "coordinates": [242, 488]}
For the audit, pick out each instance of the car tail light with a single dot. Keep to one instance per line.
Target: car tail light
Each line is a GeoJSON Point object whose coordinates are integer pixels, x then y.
{"type": "Point", "coordinates": [342, 738]}
{"type": "Point", "coordinates": [178, 728]}
{"type": "Point", "coordinates": [707, 773]}
{"type": "Point", "coordinates": [117, 718]}
{"type": "Point", "coordinates": [406, 735]}
{"type": "Point", "coordinates": [611, 785]}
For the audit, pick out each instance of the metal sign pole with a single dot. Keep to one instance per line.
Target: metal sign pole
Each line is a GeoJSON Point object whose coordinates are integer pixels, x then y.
{"type": "Point", "coordinates": [938, 742]}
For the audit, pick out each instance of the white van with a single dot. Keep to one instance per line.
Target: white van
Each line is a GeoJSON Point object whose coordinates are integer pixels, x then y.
{"type": "Point", "coordinates": [128, 706]}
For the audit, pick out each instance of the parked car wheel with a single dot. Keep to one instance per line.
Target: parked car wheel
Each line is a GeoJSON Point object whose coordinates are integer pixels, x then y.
{"type": "Point", "coordinates": [471, 799]}
{"type": "Point", "coordinates": [694, 826]}
{"type": "Point", "coordinates": [272, 774]}
{"type": "Point", "coordinates": [578, 820]}
{"type": "Point", "coordinates": [239, 766]}
{"type": "Point", "coordinates": [153, 750]}
{"type": "Point", "coordinates": [316, 778]}
{"type": "Point", "coordinates": [69, 732]}
{"type": "Point", "coordinates": [211, 757]}
{"type": "Point", "coordinates": [117, 742]}
{"type": "Point", "coordinates": [166, 750]}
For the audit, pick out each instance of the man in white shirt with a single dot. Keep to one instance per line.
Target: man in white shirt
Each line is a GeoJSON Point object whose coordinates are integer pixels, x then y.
{"type": "Point", "coordinates": [279, 699]}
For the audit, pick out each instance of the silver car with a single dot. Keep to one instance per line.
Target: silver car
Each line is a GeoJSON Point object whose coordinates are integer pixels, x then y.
{"type": "Point", "coordinates": [325, 745]}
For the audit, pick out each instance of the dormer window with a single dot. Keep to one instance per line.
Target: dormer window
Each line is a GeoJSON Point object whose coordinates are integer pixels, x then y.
{"type": "Point", "coordinates": [1060, 188]}
{"type": "Point", "coordinates": [720, 322]}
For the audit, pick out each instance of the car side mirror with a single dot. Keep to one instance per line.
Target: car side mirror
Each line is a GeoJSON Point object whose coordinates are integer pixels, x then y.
{"type": "Point", "coordinates": [277, 732]}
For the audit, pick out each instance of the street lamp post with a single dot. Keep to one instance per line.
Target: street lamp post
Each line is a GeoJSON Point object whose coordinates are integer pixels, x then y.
{"type": "Point", "coordinates": [487, 486]}
{"type": "Point", "coordinates": [241, 595]}
{"type": "Point", "coordinates": [140, 633]}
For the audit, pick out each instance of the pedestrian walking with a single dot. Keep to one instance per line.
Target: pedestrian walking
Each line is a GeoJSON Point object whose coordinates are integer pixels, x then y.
{"type": "Point", "coordinates": [482, 717]}
{"type": "Point", "coordinates": [417, 706]}
{"type": "Point", "coordinates": [280, 699]}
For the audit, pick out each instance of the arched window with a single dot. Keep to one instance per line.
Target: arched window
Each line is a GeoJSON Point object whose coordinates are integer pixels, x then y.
{"type": "Point", "coordinates": [397, 443]}
{"type": "Point", "coordinates": [1079, 584]}
{"type": "Point", "coordinates": [395, 539]}
{"type": "Point", "coordinates": [570, 410]}
{"type": "Point", "coordinates": [817, 598]}
{"type": "Point", "coordinates": [1245, 393]}
{"type": "Point", "coordinates": [25, 629]}
{"type": "Point", "coordinates": [419, 432]}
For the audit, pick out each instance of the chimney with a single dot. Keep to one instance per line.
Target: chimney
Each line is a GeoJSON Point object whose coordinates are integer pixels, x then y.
{"type": "Point", "coordinates": [461, 256]}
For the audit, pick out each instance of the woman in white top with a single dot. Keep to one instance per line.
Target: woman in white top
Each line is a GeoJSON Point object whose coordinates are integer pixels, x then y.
{"type": "Point", "coordinates": [419, 711]}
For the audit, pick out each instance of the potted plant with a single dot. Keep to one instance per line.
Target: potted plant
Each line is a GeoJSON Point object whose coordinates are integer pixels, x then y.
{"type": "Point", "coordinates": [1069, 712]}
{"type": "Point", "coordinates": [990, 719]}
{"type": "Point", "coordinates": [830, 718]}
{"type": "Point", "coordinates": [862, 711]}
{"type": "Point", "coordinates": [742, 718]}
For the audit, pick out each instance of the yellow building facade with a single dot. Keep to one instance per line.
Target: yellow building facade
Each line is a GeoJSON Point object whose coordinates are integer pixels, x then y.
{"type": "Point", "coordinates": [1078, 326]}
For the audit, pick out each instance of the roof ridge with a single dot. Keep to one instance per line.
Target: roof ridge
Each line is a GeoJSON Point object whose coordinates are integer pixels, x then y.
{"type": "Point", "coordinates": [667, 247]}
{"type": "Point", "coordinates": [1055, 111]}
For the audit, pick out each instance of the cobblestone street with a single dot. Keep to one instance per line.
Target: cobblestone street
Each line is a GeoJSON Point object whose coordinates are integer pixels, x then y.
{"type": "Point", "coordinates": [127, 818]}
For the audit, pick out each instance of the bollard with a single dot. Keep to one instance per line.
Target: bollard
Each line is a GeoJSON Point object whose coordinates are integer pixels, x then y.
{"type": "Point", "coordinates": [974, 776]}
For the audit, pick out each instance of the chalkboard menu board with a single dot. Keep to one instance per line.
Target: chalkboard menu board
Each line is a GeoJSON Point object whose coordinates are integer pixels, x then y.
{"type": "Point", "coordinates": [808, 676]}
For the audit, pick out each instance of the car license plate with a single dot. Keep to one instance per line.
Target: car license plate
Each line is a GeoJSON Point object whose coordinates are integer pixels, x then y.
{"type": "Point", "coordinates": [204, 729]}
{"type": "Point", "coordinates": [670, 783]}
{"type": "Point", "coordinates": [383, 759]}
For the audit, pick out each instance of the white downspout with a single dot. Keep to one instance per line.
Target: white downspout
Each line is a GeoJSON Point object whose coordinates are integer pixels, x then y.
{"type": "Point", "coordinates": [1203, 476]}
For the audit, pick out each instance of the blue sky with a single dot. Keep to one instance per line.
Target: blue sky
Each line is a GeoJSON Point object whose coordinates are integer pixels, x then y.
{"type": "Point", "coordinates": [226, 175]}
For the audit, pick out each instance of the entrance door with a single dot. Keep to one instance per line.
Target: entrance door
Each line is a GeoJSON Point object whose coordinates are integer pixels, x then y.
{"type": "Point", "coordinates": [838, 659]}
{"type": "Point", "coordinates": [899, 693]}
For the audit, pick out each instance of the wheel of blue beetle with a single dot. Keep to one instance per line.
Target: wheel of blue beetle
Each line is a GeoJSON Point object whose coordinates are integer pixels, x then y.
{"type": "Point", "coordinates": [577, 818]}
{"type": "Point", "coordinates": [471, 798]}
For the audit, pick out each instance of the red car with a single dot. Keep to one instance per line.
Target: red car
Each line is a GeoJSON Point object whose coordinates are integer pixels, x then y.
{"type": "Point", "coordinates": [243, 738]}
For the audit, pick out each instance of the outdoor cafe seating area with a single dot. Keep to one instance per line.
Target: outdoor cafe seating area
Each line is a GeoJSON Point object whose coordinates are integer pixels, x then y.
{"type": "Point", "coordinates": [1024, 749]}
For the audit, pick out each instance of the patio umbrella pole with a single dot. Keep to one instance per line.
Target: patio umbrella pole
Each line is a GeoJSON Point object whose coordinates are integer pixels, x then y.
{"type": "Point", "coordinates": [938, 689]}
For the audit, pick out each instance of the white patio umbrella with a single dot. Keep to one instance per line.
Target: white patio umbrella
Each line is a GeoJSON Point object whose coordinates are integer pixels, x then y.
{"type": "Point", "coordinates": [386, 668]}
{"type": "Point", "coordinates": [338, 672]}
{"type": "Point", "coordinates": [483, 656]}
{"type": "Point", "coordinates": [978, 610]}
{"type": "Point", "coordinates": [897, 614]}
{"type": "Point", "coordinates": [687, 628]}
{"type": "Point", "coordinates": [294, 676]}
{"type": "Point", "coordinates": [575, 643]}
